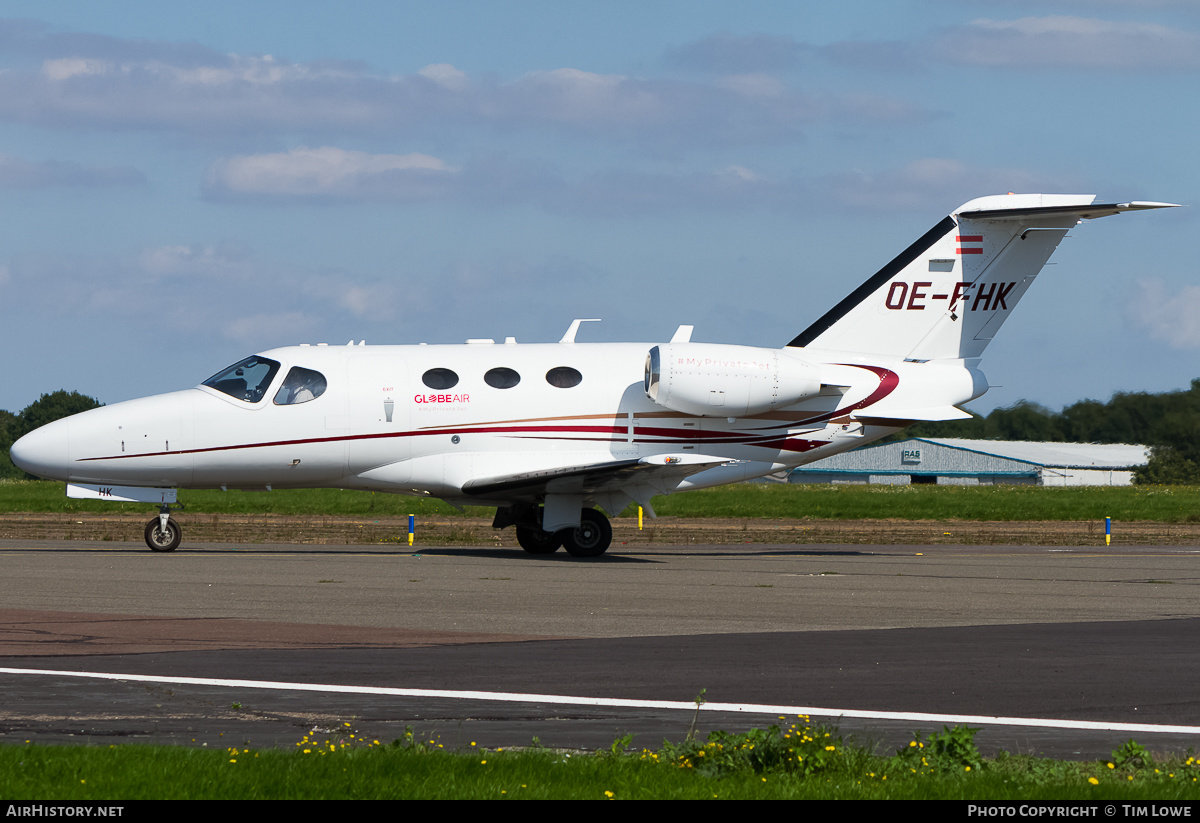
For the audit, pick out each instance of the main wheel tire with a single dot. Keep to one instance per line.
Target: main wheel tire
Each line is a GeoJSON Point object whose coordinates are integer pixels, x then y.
{"type": "Point", "coordinates": [591, 538]}
{"type": "Point", "coordinates": [163, 541]}
{"type": "Point", "coordinates": [536, 541]}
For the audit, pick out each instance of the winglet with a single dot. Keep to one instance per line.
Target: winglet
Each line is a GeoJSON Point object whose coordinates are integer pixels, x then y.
{"type": "Point", "coordinates": [569, 337]}
{"type": "Point", "coordinates": [683, 334]}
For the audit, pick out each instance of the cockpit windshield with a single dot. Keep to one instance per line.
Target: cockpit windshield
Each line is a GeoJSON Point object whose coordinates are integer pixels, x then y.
{"type": "Point", "coordinates": [247, 380]}
{"type": "Point", "coordinates": [300, 386]}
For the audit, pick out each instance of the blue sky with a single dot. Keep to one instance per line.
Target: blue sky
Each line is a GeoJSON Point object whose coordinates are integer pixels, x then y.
{"type": "Point", "coordinates": [184, 184]}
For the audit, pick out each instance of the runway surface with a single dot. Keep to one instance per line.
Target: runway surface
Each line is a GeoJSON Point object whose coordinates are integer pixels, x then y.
{"type": "Point", "coordinates": [1078, 634]}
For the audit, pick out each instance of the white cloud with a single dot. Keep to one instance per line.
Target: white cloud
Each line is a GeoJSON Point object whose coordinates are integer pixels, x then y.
{"type": "Point", "coordinates": [67, 67]}
{"type": "Point", "coordinates": [334, 175]}
{"type": "Point", "coordinates": [743, 173]}
{"type": "Point", "coordinates": [100, 82]}
{"type": "Point", "coordinates": [1064, 41]}
{"type": "Point", "coordinates": [931, 182]}
{"type": "Point", "coordinates": [1171, 318]}
{"type": "Point", "coordinates": [572, 96]}
{"type": "Point", "coordinates": [197, 261]}
{"type": "Point", "coordinates": [198, 291]}
{"type": "Point", "coordinates": [445, 75]}
{"type": "Point", "coordinates": [360, 299]}
{"type": "Point", "coordinates": [330, 172]}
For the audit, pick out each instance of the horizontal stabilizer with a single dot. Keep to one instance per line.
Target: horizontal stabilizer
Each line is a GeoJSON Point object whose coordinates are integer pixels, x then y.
{"type": "Point", "coordinates": [1088, 212]}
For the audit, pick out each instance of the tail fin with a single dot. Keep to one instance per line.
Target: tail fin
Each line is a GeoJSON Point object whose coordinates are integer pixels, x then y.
{"type": "Point", "coordinates": [947, 294]}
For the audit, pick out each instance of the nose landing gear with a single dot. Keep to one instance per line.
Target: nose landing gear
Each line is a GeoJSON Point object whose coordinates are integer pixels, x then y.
{"type": "Point", "coordinates": [162, 533]}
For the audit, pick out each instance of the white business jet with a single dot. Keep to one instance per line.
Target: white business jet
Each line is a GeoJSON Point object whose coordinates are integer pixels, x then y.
{"type": "Point", "coordinates": [547, 432]}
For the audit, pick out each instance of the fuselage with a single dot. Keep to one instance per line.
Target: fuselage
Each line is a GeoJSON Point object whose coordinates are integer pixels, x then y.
{"type": "Point", "coordinates": [429, 419]}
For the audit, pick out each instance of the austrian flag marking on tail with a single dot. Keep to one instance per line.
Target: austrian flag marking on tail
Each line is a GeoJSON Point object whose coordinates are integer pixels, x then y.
{"type": "Point", "coordinates": [969, 243]}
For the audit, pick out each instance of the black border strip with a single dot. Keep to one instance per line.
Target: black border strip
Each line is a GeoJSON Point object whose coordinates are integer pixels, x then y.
{"type": "Point", "coordinates": [1085, 212]}
{"type": "Point", "coordinates": [878, 279]}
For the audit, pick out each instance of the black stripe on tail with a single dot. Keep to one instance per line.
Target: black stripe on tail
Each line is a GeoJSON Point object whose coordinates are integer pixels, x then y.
{"type": "Point", "coordinates": [878, 279]}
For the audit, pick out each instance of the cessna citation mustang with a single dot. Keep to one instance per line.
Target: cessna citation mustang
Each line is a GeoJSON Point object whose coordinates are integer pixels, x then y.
{"type": "Point", "coordinates": [546, 432]}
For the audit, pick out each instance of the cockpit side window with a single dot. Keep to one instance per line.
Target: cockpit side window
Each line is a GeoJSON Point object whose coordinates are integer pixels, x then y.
{"type": "Point", "coordinates": [300, 386]}
{"type": "Point", "coordinates": [247, 380]}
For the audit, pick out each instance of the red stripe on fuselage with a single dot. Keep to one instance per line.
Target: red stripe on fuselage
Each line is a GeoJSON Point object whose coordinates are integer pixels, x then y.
{"type": "Point", "coordinates": [888, 380]}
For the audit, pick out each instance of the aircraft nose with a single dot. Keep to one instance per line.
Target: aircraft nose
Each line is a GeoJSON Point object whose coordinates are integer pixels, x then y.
{"type": "Point", "coordinates": [44, 452]}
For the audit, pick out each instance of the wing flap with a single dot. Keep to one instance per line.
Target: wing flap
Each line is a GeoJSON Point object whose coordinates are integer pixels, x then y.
{"type": "Point", "coordinates": [594, 478]}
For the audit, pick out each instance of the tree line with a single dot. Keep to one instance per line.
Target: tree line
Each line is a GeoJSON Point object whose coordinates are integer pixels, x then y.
{"type": "Point", "coordinates": [1169, 422]}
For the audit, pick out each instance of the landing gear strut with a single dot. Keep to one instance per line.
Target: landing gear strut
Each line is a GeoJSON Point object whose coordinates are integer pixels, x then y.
{"type": "Point", "coordinates": [162, 533]}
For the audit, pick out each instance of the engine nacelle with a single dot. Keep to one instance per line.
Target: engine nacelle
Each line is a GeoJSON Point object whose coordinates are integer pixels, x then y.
{"type": "Point", "coordinates": [714, 380]}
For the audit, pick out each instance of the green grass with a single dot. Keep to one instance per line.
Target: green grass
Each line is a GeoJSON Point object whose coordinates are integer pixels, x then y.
{"type": "Point", "coordinates": [1168, 504]}
{"type": "Point", "coordinates": [762, 763]}
{"type": "Point", "coordinates": [1165, 504]}
{"type": "Point", "coordinates": [49, 496]}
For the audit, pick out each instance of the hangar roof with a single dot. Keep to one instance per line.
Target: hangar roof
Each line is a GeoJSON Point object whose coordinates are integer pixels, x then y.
{"type": "Point", "coordinates": [1057, 455]}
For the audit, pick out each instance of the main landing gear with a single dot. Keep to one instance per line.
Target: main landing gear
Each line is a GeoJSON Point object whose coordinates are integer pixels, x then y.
{"type": "Point", "coordinates": [162, 533]}
{"type": "Point", "coordinates": [591, 538]}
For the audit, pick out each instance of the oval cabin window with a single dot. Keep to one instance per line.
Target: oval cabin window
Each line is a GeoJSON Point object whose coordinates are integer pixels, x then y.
{"type": "Point", "coordinates": [564, 377]}
{"type": "Point", "coordinates": [501, 378]}
{"type": "Point", "coordinates": [440, 379]}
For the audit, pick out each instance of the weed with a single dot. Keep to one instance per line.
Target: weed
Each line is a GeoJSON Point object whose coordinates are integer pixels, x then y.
{"type": "Point", "coordinates": [1133, 755]}
{"type": "Point", "coordinates": [800, 749]}
{"type": "Point", "coordinates": [699, 700]}
{"type": "Point", "coordinates": [950, 750]}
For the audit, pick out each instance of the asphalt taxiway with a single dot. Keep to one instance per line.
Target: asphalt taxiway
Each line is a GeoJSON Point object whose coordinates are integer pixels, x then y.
{"type": "Point", "coordinates": [1104, 640]}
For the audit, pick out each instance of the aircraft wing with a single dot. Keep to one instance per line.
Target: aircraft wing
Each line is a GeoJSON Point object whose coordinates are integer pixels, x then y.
{"type": "Point", "coordinates": [660, 470]}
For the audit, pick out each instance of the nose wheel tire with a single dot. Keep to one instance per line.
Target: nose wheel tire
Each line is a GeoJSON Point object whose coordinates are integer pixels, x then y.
{"type": "Point", "coordinates": [160, 540]}
{"type": "Point", "coordinates": [591, 538]}
{"type": "Point", "coordinates": [536, 541]}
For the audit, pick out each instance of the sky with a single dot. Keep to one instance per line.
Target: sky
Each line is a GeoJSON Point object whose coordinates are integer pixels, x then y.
{"type": "Point", "coordinates": [183, 184]}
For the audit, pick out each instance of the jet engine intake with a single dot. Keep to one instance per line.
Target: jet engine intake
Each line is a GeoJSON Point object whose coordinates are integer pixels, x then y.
{"type": "Point", "coordinates": [714, 380]}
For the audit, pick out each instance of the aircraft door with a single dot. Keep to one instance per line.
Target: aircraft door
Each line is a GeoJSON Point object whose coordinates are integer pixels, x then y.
{"type": "Point", "coordinates": [379, 415]}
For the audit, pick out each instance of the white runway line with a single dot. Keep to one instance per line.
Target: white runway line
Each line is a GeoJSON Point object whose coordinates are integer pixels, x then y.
{"type": "Point", "coordinates": [510, 697]}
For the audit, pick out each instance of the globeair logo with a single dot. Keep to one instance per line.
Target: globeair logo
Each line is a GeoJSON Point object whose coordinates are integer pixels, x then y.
{"type": "Point", "coordinates": [442, 398]}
